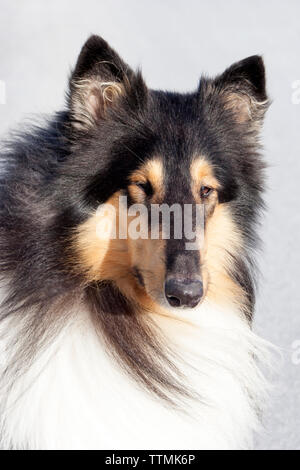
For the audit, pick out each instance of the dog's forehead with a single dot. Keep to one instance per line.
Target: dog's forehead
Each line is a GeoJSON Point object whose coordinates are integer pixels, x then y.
{"type": "Point", "coordinates": [177, 158]}
{"type": "Point", "coordinates": [173, 131]}
{"type": "Point", "coordinates": [166, 142]}
{"type": "Point", "coordinates": [174, 116]}
{"type": "Point", "coordinates": [183, 130]}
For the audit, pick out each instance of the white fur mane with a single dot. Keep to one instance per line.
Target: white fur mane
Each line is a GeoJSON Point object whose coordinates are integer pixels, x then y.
{"type": "Point", "coordinates": [76, 397]}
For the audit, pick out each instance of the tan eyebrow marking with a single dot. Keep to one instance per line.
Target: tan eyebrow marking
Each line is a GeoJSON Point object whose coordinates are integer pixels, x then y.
{"type": "Point", "coordinates": [151, 171]}
{"type": "Point", "coordinates": [202, 174]}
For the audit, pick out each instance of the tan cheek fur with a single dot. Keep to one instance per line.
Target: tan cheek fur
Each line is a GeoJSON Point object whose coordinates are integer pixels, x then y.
{"type": "Point", "coordinates": [114, 259]}
{"type": "Point", "coordinates": [222, 238]}
{"type": "Point", "coordinates": [149, 256]}
{"type": "Point", "coordinates": [100, 258]}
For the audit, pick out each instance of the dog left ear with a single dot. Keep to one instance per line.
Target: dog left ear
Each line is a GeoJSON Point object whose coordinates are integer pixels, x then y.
{"type": "Point", "coordinates": [243, 89]}
{"type": "Point", "coordinates": [99, 82]}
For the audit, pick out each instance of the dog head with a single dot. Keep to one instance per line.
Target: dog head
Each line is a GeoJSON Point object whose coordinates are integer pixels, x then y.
{"type": "Point", "coordinates": [177, 178]}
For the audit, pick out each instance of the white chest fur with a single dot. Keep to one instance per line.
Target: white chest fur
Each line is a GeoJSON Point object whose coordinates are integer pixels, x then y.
{"type": "Point", "coordinates": [76, 397]}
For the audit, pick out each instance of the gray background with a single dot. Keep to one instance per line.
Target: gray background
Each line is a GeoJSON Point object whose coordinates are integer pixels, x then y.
{"type": "Point", "coordinates": [174, 41]}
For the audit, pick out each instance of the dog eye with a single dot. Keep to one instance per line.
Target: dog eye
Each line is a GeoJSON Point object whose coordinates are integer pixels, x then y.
{"type": "Point", "coordinates": [205, 191]}
{"type": "Point", "coordinates": [145, 186]}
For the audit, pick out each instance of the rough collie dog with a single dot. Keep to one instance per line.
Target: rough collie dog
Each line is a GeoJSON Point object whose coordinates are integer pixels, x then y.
{"type": "Point", "coordinates": [126, 341]}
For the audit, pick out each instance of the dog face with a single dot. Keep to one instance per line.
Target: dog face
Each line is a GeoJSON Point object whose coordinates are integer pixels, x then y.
{"type": "Point", "coordinates": [191, 157]}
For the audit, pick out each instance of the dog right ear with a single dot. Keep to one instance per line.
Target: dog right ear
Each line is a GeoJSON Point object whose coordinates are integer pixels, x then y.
{"type": "Point", "coordinates": [100, 81]}
{"type": "Point", "coordinates": [243, 90]}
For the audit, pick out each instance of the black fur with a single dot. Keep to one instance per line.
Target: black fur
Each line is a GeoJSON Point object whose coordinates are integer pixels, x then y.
{"type": "Point", "coordinates": [55, 174]}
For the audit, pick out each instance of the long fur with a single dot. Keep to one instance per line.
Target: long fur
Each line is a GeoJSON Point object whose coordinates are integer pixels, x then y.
{"type": "Point", "coordinates": [76, 396]}
{"type": "Point", "coordinates": [83, 364]}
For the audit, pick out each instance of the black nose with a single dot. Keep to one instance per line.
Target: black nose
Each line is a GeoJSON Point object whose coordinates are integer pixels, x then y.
{"type": "Point", "coordinates": [183, 293]}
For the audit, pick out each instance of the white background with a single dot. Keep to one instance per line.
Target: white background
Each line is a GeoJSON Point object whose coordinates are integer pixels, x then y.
{"type": "Point", "coordinates": [174, 41]}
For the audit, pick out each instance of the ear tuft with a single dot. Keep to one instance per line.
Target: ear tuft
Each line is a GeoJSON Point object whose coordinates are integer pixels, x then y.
{"type": "Point", "coordinates": [243, 107]}
{"type": "Point", "coordinates": [90, 100]}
